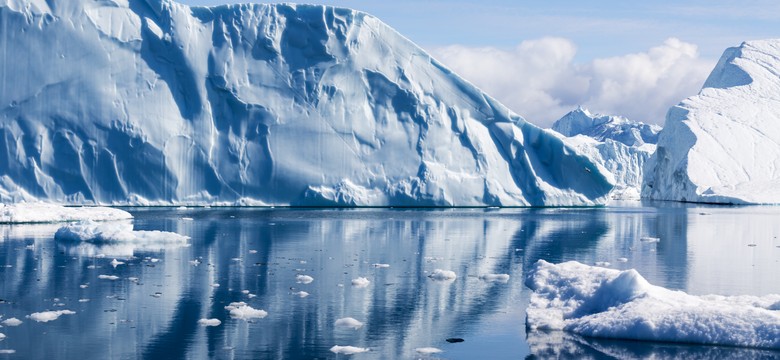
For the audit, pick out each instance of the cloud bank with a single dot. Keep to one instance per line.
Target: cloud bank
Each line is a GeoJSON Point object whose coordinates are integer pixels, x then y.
{"type": "Point", "coordinates": [540, 80]}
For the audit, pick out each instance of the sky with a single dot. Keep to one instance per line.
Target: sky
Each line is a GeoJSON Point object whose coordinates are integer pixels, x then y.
{"type": "Point", "coordinates": [545, 58]}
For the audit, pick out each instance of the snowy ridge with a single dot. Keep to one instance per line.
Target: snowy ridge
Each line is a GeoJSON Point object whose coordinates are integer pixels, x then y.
{"type": "Point", "coordinates": [721, 146]}
{"type": "Point", "coordinates": [603, 127]}
{"type": "Point", "coordinates": [609, 303]}
{"type": "Point", "coordinates": [153, 102]}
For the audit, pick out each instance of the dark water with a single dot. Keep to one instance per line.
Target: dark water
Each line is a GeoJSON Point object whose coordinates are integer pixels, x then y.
{"type": "Point", "coordinates": [702, 250]}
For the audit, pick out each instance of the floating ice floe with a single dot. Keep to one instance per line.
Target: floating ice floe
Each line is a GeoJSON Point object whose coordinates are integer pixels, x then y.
{"type": "Point", "coordinates": [46, 316]}
{"type": "Point", "coordinates": [622, 259]}
{"type": "Point", "coordinates": [495, 277]}
{"type": "Point", "coordinates": [7, 351]}
{"type": "Point", "coordinates": [348, 322]}
{"type": "Point", "coordinates": [2, 336]}
{"type": "Point", "coordinates": [240, 310]}
{"type": "Point", "coordinates": [209, 322]}
{"type": "Point", "coordinates": [301, 294]}
{"type": "Point", "coordinates": [89, 238]}
{"type": "Point", "coordinates": [26, 213]}
{"type": "Point", "coordinates": [12, 322]}
{"type": "Point", "coordinates": [348, 350]}
{"type": "Point", "coordinates": [108, 277]}
{"type": "Point", "coordinates": [443, 275]}
{"type": "Point", "coordinates": [303, 279]}
{"type": "Point", "coordinates": [360, 282]}
{"type": "Point", "coordinates": [428, 350]}
{"type": "Point", "coordinates": [650, 239]}
{"type": "Point", "coordinates": [381, 265]}
{"type": "Point", "coordinates": [607, 303]}
{"type": "Point", "coordinates": [116, 263]}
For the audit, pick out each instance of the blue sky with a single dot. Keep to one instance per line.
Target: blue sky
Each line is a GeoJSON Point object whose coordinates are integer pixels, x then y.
{"type": "Point", "coordinates": [607, 30]}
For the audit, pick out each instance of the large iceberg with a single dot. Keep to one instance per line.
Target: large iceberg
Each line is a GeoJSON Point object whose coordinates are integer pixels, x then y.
{"type": "Point", "coordinates": [30, 213]}
{"type": "Point", "coordinates": [154, 102]}
{"type": "Point", "coordinates": [619, 145]}
{"type": "Point", "coordinates": [608, 303]}
{"type": "Point", "coordinates": [721, 146]}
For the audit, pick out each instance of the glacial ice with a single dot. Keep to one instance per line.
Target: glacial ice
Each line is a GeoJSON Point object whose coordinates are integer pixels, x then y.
{"type": "Point", "coordinates": [117, 239]}
{"type": "Point", "coordinates": [46, 316]}
{"type": "Point", "coordinates": [240, 310]}
{"type": "Point", "coordinates": [605, 127]}
{"type": "Point", "coordinates": [25, 213]}
{"type": "Point", "coordinates": [349, 322]}
{"type": "Point", "coordinates": [153, 102]}
{"type": "Point", "coordinates": [608, 303]}
{"type": "Point", "coordinates": [348, 350]}
{"type": "Point", "coordinates": [721, 146]}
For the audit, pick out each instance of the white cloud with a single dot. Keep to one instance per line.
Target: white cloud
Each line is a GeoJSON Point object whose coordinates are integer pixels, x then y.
{"type": "Point", "coordinates": [540, 80]}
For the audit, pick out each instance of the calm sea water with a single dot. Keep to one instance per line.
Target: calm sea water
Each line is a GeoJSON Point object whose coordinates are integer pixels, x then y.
{"type": "Point", "coordinates": [152, 310]}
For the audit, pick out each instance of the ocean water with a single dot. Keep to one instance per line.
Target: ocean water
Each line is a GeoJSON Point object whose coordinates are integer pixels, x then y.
{"type": "Point", "coordinates": [254, 255]}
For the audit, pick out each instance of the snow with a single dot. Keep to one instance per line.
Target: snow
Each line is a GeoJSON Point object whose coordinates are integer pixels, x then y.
{"type": "Point", "coordinates": [46, 316]}
{"type": "Point", "coordinates": [607, 303]}
{"type": "Point", "coordinates": [720, 146]}
{"type": "Point", "coordinates": [360, 282]}
{"type": "Point", "coordinates": [209, 322]}
{"type": "Point", "coordinates": [428, 350]}
{"type": "Point", "coordinates": [348, 350]}
{"type": "Point", "coordinates": [240, 310]}
{"type": "Point", "coordinates": [442, 275]}
{"type": "Point", "coordinates": [494, 278]}
{"type": "Point", "coordinates": [89, 238]}
{"type": "Point", "coordinates": [258, 104]}
{"type": "Point", "coordinates": [303, 279]}
{"type": "Point", "coordinates": [12, 322]}
{"type": "Point", "coordinates": [49, 213]}
{"type": "Point", "coordinates": [348, 322]}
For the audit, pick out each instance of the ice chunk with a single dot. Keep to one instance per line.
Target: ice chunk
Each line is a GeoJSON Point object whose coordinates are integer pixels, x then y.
{"type": "Point", "coordinates": [607, 303]}
{"type": "Point", "coordinates": [89, 238]}
{"type": "Point", "coordinates": [49, 213]}
{"type": "Point", "coordinates": [116, 263]}
{"type": "Point", "coordinates": [495, 277]}
{"type": "Point", "coordinates": [381, 265]}
{"type": "Point", "coordinates": [6, 351]}
{"type": "Point", "coordinates": [348, 350]}
{"type": "Point", "coordinates": [428, 350]}
{"type": "Point", "coordinates": [108, 277]}
{"type": "Point", "coordinates": [209, 322]}
{"type": "Point", "coordinates": [46, 316]}
{"type": "Point", "coordinates": [303, 279]}
{"type": "Point", "coordinates": [12, 322]}
{"type": "Point", "coordinates": [443, 275]}
{"type": "Point", "coordinates": [349, 322]}
{"type": "Point", "coordinates": [240, 310]}
{"type": "Point", "coordinates": [301, 294]}
{"type": "Point", "coordinates": [360, 282]}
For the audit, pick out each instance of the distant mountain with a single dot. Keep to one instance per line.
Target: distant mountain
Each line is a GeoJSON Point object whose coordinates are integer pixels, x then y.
{"type": "Point", "coordinates": [620, 145]}
{"type": "Point", "coordinates": [154, 102]}
{"type": "Point", "coordinates": [602, 127]}
{"type": "Point", "coordinates": [723, 145]}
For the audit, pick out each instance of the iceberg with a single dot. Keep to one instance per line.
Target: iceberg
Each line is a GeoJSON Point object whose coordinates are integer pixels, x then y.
{"type": "Point", "coordinates": [89, 238]}
{"type": "Point", "coordinates": [606, 127]}
{"type": "Point", "coordinates": [31, 213]}
{"type": "Point", "coordinates": [607, 303]}
{"type": "Point", "coordinates": [721, 146]}
{"type": "Point", "coordinates": [151, 102]}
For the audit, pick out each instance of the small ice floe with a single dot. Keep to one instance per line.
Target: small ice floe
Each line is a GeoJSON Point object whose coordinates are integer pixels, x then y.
{"type": "Point", "coordinates": [187, 219]}
{"type": "Point", "coordinates": [84, 286]}
{"type": "Point", "coordinates": [30, 247]}
{"type": "Point", "coordinates": [46, 316]}
{"type": "Point", "coordinates": [83, 300]}
{"type": "Point", "coordinates": [649, 239]}
{"type": "Point", "coordinates": [240, 310]}
{"type": "Point", "coordinates": [360, 282]}
{"type": "Point", "coordinates": [348, 350]}
{"type": "Point", "coordinates": [12, 322]}
{"type": "Point", "coordinates": [607, 303]}
{"type": "Point", "coordinates": [253, 251]}
{"type": "Point", "coordinates": [503, 278]}
{"type": "Point", "coordinates": [2, 336]}
{"type": "Point", "coordinates": [195, 262]}
{"type": "Point", "coordinates": [432, 258]}
{"type": "Point", "coordinates": [348, 322]}
{"type": "Point", "coordinates": [303, 279]}
{"type": "Point", "coordinates": [602, 263]}
{"type": "Point", "coordinates": [381, 265]}
{"type": "Point", "coordinates": [622, 259]}
{"type": "Point", "coordinates": [443, 275]}
{"type": "Point", "coordinates": [108, 277]}
{"type": "Point", "coordinates": [7, 351]}
{"type": "Point", "coordinates": [235, 259]}
{"type": "Point", "coordinates": [156, 295]}
{"type": "Point", "coordinates": [245, 292]}
{"type": "Point", "coordinates": [215, 285]}
{"type": "Point", "coordinates": [251, 296]}
{"type": "Point", "coordinates": [116, 263]}
{"type": "Point", "coordinates": [301, 294]}
{"type": "Point", "coordinates": [209, 322]}
{"type": "Point", "coordinates": [428, 350]}
{"type": "Point", "coordinates": [133, 279]}
{"type": "Point", "coordinates": [47, 213]}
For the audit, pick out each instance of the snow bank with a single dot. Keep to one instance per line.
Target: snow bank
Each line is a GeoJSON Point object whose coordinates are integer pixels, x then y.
{"type": "Point", "coordinates": [348, 350]}
{"type": "Point", "coordinates": [720, 146]}
{"type": "Point", "coordinates": [607, 303]}
{"type": "Point", "coordinates": [46, 316]}
{"type": "Point", "coordinates": [49, 213]}
{"type": "Point", "coordinates": [194, 105]}
{"type": "Point", "coordinates": [349, 322]}
{"type": "Point", "coordinates": [240, 310]}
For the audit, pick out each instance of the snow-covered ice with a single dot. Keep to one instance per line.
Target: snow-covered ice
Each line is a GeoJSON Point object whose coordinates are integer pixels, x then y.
{"type": "Point", "coordinates": [12, 322]}
{"type": "Point", "coordinates": [428, 350]}
{"type": "Point", "coordinates": [240, 310]}
{"type": "Point", "coordinates": [108, 277]}
{"type": "Point", "coordinates": [209, 322]}
{"type": "Point", "coordinates": [360, 282]}
{"type": "Point", "coordinates": [443, 275]}
{"type": "Point", "coordinates": [46, 316]}
{"type": "Point", "coordinates": [89, 238]}
{"type": "Point", "coordinates": [36, 212]}
{"type": "Point", "coordinates": [303, 279]}
{"type": "Point", "coordinates": [607, 303]}
{"type": "Point", "coordinates": [301, 105]}
{"type": "Point", "coordinates": [605, 127]}
{"type": "Point", "coordinates": [348, 350]}
{"type": "Point", "coordinates": [348, 322]}
{"type": "Point", "coordinates": [721, 146]}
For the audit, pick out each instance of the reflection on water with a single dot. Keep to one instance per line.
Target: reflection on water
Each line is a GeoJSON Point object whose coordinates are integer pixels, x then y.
{"type": "Point", "coordinates": [254, 256]}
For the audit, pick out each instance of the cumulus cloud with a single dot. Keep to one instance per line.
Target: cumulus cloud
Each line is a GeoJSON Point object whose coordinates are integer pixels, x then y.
{"type": "Point", "coordinates": [540, 79]}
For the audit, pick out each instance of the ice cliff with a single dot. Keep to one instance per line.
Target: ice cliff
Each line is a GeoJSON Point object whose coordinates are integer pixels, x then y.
{"type": "Point", "coordinates": [154, 102]}
{"type": "Point", "coordinates": [722, 145]}
{"type": "Point", "coordinates": [619, 145]}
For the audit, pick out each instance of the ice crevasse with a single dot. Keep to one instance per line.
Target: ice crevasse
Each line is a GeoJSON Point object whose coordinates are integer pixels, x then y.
{"type": "Point", "coordinates": [153, 102]}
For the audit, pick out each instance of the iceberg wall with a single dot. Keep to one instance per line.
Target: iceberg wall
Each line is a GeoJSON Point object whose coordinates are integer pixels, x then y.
{"type": "Point", "coordinates": [154, 102]}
